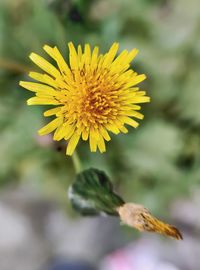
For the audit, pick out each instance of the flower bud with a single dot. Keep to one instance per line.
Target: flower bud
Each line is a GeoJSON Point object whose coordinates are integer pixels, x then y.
{"type": "Point", "coordinates": [137, 216]}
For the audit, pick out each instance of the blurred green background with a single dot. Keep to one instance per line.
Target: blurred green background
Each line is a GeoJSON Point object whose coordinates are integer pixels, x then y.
{"type": "Point", "coordinates": [157, 164]}
{"type": "Point", "coordinates": [160, 160]}
{"type": "Point", "coordinates": [153, 165]}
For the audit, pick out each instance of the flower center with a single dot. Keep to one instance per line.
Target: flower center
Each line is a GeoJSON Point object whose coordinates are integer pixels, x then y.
{"type": "Point", "coordinates": [96, 107]}
{"type": "Point", "coordinates": [95, 101]}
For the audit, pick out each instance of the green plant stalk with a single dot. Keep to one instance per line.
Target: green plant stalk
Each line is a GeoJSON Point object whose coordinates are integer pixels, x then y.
{"type": "Point", "coordinates": [76, 162]}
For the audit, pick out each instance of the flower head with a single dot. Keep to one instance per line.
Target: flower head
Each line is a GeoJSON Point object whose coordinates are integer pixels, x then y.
{"type": "Point", "coordinates": [94, 94]}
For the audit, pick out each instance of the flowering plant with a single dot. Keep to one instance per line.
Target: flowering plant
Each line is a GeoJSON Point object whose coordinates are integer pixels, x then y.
{"type": "Point", "coordinates": [92, 96]}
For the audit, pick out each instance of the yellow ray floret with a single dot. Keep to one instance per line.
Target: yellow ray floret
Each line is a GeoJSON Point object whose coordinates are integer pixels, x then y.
{"type": "Point", "coordinates": [94, 94]}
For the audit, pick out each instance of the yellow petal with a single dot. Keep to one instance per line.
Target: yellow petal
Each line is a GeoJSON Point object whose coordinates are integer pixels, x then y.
{"type": "Point", "coordinates": [37, 87]}
{"type": "Point", "coordinates": [130, 107]}
{"type": "Point", "coordinates": [56, 55]}
{"type": "Point", "coordinates": [73, 57]}
{"type": "Point", "coordinates": [123, 129]}
{"type": "Point", "coordinates": [141, 99]}
{"type": "Point", "coordinates": [135, 80]}
{"type": "Point", "coordinates": [105, 134]}
{"type": "Point", "coordinates": [135, 114]}
{"type": "Point", "coordinates": [109, 57]}
{"type": "Point", "coordinates": [101, 144]}
{"type": "Point", "coordinates": [50, 126]}
{"type": "Point", "coordinates": [72, 143]}
{"type": "Point", "coordinates": [113, 128]}
{"type": "Point", "coordinates": [42, 101]}
{"type": "Point", "coordinates": [93, 144]}
{"type": "Point", "coordinates": [141, 93]}
{"type": "Point", "coordinates": [63, 131]}
{"type": "Point", "coordinates": [44, 64]}
{"type": "Point", "coordinates": [80, 53]}
{"type": "Point", "coordinates": [120, 59]}
{"type": "Point", "coordinates": [131, 55]}
{"type": "Point", "coordinates": [52, 111]}
{"type": "Point", "coordinates": [87, 53]}
{"type": "Point", "coordinates": [44, 78]}
{"type": "Point", "coordinates": [93, 138]}
{"type": "Point", "coordinates": [69, 132]}
{"type": "Point", "coordinates": [129, 121]}
{"type": "Point", "coordinates": [60, 133]}
{"type": "Point", "coordinates": [85, 135]}
{"type": "Point", "coordinates": [121, 126]}
{"type": "Point", "coordinates": [94, 57]}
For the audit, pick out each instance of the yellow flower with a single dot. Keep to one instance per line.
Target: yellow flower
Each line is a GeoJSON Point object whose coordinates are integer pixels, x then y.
{"type": "Point", "coordinates": [92, 95]}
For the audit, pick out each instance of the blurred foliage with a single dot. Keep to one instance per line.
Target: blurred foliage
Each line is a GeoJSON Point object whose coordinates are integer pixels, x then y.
{"type": "Point", "coordinates": [152, 165]}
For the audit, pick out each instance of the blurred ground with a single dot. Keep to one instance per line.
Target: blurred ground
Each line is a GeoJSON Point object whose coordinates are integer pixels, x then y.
{"type": "Point", "coordinates": [156, 165]}
{"type": "Point", "coordinates": [37, 234]}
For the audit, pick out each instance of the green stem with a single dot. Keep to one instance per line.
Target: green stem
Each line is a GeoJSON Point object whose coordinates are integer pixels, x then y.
{"type": "Point", "coordinates": [76, 162]}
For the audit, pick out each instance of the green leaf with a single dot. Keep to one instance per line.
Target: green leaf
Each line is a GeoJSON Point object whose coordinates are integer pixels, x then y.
{"type": "Point", "coordinates": [92, 193]}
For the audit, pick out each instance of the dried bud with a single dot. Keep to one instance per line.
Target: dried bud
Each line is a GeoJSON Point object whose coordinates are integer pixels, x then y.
{"type": "Point", "coordinates": [137, 216]}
